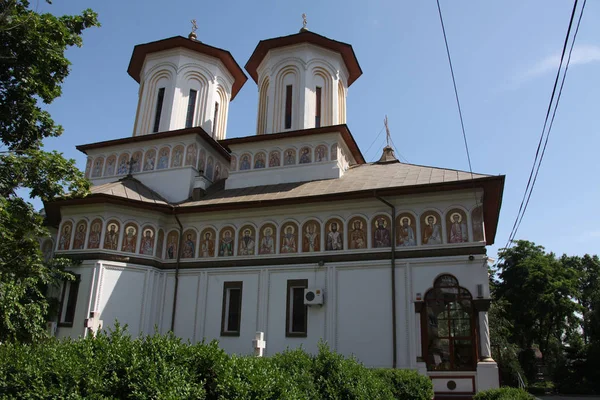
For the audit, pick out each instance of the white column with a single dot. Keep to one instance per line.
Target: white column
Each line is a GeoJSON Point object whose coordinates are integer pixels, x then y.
{"type": "Point", "coordinates": [484, 337]}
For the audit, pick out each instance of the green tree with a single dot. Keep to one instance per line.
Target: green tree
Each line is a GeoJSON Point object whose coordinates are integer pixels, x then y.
{"type": "Point", "coordinates": [540, 292]}
{"type": "Point", "coordinates": [32, 69]}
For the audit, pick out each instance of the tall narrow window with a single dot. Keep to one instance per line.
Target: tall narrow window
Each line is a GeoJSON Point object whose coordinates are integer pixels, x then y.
{"type": "Point", "coordinates": [68, 302]}
{"type": "Point", "coordinates": [159, 104]}
{"type": "Point", "coordinates": [318, 108]}
{"type": "Point", "coordinates": [296, 312]}
{"type": "Point", "coordinates": [215, 119]}
{"type": "Point", "coordinates": [231, 315]}
{"type": "Point", "coordinates": [449, 325]}
{"type": "Point", "coordinates": [189, 119]}
{"type": "Point", "coordinates": [288, 107]}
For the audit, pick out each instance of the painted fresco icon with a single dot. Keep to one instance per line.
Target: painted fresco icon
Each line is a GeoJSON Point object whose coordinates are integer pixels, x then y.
{"type": "Point", "coordinates": [202, 160]}
{"type": "Point", "coordinates": [136, 161]}
{"type": "Point", "coordinates": [130, 239]}
{"type": "Point", "coordinates": [274, 159]}
{"type": "Point", "coordinates": [247, 242]}
{"type": "Point", "coordinates": [289, 238]}
{"type": "Point", "coordinates": [64, 242]}
{"type": "Point", "coordinates": [177, 159]}
{"type": "Point", "coordinates": [123, 164]}
{"type": "Point", "coordinates": [457, 230]}
{"type": "Point", "coordinates": [95, 233]}
{"type": "Point", "coordinates": [259, 160]}
{"type": "Point", "coordinates": [311, 237]}
{"type": "Point", "coordinates": [207, 243]}
{"type": "Point", "coordinates": [217, 172]}
{"type": "Point", "coordinates": [233, 163]}
{"type": "Point", "coordinates": [334, 151]}
{"type": "Point", "coordinates": [267, 241]}
{"type": "Point", "coordinates": [111, 237]}
{"type": "Point", "coordinates": [290, 157]}
{"type": "Point", "coordinates": [381, 232]}
{"type": "Point", "coordinates": [245, 162]}
{"type": "Point", "coordinates": [147, 242]}
{"type": "Point", "coordinates": [321, 153]}
{"type": "Point", "coordinates": [98, 164]}
{"type": "Point", "coordinates": [406, 231]}
{"type": "Point", "coordinates": [358, 236]}
{"type": "Point", "coordinates": [111, 162]}
{"type": "Point", "coordinates": [209, 168]}
{"type": "Point", "coordinates": [163, 158]}
{"type": "Point", "coordinates": [172, 239]}
{"type": "Point", "coordinates": [189, 244]}
{"type": "Point", "coordinates": [150, 160]}
{"type": "Point", "coordinates": [80, 231]}
{"type": "Point", "coordinates": [305, 155]}
{"type": "Point", "coordinates": [226, 243]}
{"type": "Point", "coordinates": [477, 221]}
{"type": "Point", "coordinates": [88, 167]}
{"type": "Point", "coordinates": [432, 232]}
{"type": "Point", "coordinates": [335, 239]}
{"type": "Point", "coordinates": [191, 156]}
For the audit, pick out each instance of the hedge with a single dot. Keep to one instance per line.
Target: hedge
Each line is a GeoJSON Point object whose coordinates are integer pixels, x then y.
{"type": "Point", "coordinates": [504, 393]}
{"type": "Point", "coordinates": [115, 366]}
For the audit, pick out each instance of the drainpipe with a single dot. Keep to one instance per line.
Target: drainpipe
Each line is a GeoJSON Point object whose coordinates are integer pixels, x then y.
{"type": "Point", "coordinates": [176, 270]}
{"type": "Point", "coordinates": [394, 345]}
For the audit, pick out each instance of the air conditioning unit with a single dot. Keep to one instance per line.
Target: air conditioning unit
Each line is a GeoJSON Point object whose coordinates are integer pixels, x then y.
{"type": "Point", "coordinates": [313, 297]}
{"type": "Point", "coordinates": [51, 328]}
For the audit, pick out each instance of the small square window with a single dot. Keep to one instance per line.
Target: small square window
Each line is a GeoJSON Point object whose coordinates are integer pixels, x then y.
{"type": "Point", "coordinates": [231, 315]}
{"type": "Point", "coordinates": [296, 312]}
{"type": "Point", "coordinates": [68, 302]}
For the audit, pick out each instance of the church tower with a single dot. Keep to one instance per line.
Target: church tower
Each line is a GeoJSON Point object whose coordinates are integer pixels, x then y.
{"type": "Point", "coordinates": [184, 83]}
{"type": "Point", "coordinates": [302, 81]}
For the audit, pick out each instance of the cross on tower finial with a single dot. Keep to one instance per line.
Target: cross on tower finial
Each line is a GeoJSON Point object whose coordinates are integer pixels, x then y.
{"type": "Point", "coordinates": [303, 23]}
{"type": "Point", "coordinates": [192, 34]}
{"type": "Point", "coordinates": [131, 163]}
{"type": "Point", "coordinates": [387, 130]}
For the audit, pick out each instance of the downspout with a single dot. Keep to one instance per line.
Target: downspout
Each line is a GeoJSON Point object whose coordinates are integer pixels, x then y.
{"type": "Point", "coordinates": [176, 270]}
{"type": "Point", "coordinates": [394, 345]}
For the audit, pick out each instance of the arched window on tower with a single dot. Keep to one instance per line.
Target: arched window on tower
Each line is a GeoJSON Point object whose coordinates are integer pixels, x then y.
{"type": "Point", "coordinates": [449, 327]}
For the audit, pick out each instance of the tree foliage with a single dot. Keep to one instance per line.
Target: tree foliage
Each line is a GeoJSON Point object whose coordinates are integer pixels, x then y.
{"type": "Point", "coordinates": [549, 303]}
{"type": "Point", "coordinates": [539, 290]}
{"type": "Point", "coordinates": [32, 69]}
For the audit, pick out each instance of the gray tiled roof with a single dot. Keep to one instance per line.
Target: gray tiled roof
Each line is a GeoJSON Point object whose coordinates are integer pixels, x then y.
{"type": "Point", "coordinates": [359, 177]}
{"type": "Point", "coordinates": [131, 189]}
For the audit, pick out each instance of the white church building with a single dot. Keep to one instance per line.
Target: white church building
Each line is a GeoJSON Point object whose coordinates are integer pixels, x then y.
{"type": "Point", "coordinates": [289, 232]}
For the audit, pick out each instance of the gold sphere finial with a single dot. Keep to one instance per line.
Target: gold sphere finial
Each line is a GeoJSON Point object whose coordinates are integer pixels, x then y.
{"type": "Point", "coordinates": [192, 34]}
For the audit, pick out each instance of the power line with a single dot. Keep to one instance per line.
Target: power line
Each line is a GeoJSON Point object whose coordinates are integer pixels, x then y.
{"type": "Point", "coordinates": [540, 156]}
{"type": "Point", "coordinates": [373, 142]}
{"type": "Point", "coordinates": [462, 124]}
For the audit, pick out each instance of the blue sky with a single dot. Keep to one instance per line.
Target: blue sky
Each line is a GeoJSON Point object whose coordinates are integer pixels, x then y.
{"type": "Point", "coordinates": [505, 55]}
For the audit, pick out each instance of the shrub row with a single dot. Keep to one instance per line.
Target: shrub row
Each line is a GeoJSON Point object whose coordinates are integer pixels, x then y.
{"type": "Point", "coordinates": [163, 367]}
{"type": "Point", "coordinates": [504, 393]}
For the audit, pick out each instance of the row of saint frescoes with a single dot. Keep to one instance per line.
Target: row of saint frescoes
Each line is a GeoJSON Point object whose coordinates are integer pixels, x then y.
{"type": "Point", "coordinates": [289, 156]}
{"type": "Point", "coordinates": [293, 237]}
{"type": "Point", "coordinates": [151, 159]}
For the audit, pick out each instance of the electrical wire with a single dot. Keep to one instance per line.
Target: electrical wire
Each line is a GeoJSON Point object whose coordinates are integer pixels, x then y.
{"type": "Point", "coordinates": [462, 124]}
{"type": "Point", "coordinates": [373, 142]}
{"type": "Point", "coordinates": [539, 156]}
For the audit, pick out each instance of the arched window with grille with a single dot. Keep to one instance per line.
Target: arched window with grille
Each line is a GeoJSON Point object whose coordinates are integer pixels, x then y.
{"type": "Point", "coordinates": [449, 337]}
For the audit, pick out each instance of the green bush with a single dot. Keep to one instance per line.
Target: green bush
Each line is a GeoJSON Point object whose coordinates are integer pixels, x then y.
{"type": "Point", "coordinates": [115, 366]}
{"type": "Point", "coordinates": [504, 393]}
{"type": "Point", "coordinates": [407, 384]}
{"type": "Point", "coordinates": [540, 388]}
